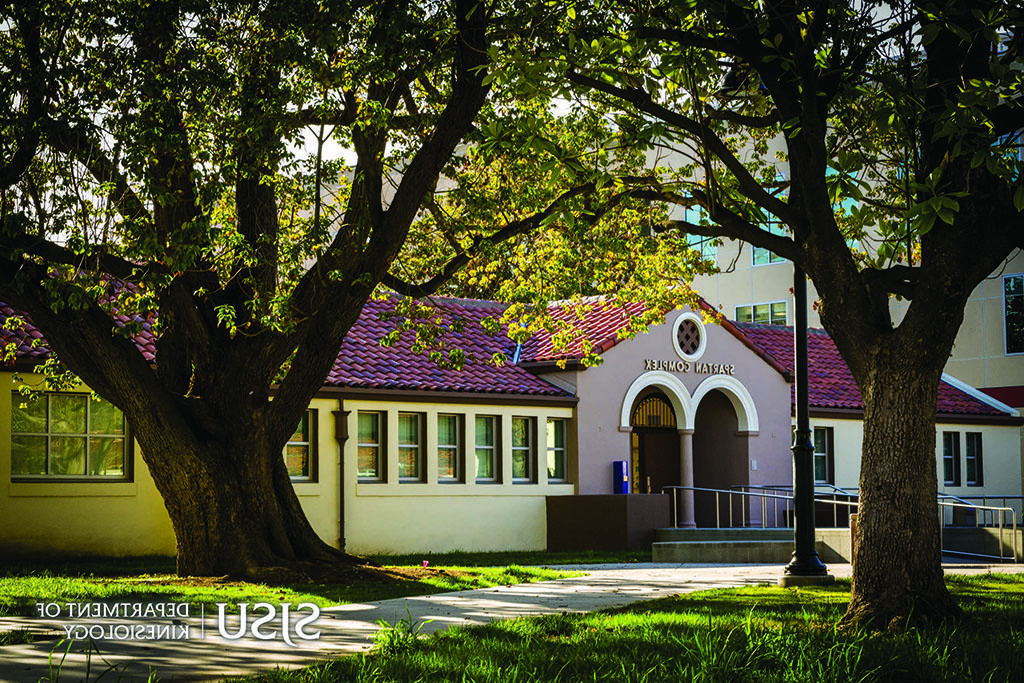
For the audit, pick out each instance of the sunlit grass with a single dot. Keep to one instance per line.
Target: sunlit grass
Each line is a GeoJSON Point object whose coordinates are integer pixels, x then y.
{"type": "Point", "coordinates": [24, 585]}
{"type": "Point", "coordinates": [749, 634]}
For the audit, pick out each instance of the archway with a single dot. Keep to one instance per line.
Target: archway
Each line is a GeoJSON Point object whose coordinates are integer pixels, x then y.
{"type": "Point", "coordinates": [654, 441]}
{"type": "Point", "coordinates": [720, 458]}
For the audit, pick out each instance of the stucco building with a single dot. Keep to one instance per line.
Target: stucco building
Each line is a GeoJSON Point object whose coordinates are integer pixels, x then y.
{"type": "Point", "coordinates": [398, 454]}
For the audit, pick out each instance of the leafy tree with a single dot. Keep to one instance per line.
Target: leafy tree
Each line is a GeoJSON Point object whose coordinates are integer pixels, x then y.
{"type": "Point", "coordinates": [783, 110]}
{"type": "Point", "coordinates": [152, 170]}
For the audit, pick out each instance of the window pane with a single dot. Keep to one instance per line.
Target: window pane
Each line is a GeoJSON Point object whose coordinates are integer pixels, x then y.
{"type": "Point", "coordinates": [745, 314]}
{"type": "Point", "coordinates": [820, 467]}
{"type": "Point", "coordinates": [520, 432]}
{"type": "Point", "coordinates": [446, 459]}
{"type": "Point", "coordinates": [367, 462]}
{"type": "Point", "coordinates": [520, 465]}
{"type": "Point", "coordinates": [106, 457]}
{"type": "Point", "coordinates": [778, 313]}
{"type": "Point", "coordinates": [408, 428]}
{"type": "Point", "coordinates": [104, 418]}
{"type": "Point", "coordinates": [28, 415]}
{"type": "Point", "coordinates": [556, 434]}
{"type": "Point", "coordinates": [447, 430]}
{"type": "Point", "coordinates": [67, 454]}
{"type": "Point", "coordinates": [369, 428]}
{"type": "Point", "coordinates": [67, 414]}
{"type": "Point", "coordinates": [1013, 289]}
{"type": "Point", "coordinates": [820, 441]}
{"type": "Point", "coordinates": [485, 431]}
{"type": "Point", "coordinates": [762, 314]}
{"type": "Point", "coordinates": [484, 463]}
{"type": "Point", "coordinates": [28, 455]}
{"type": "Point", "coordinates": [296, 457]}
{"type": "Point", "coordinates": [408, 462]}
{"type": "Point", "coordinates": [556, 449]}
{"type": "Point", "coordinates": [302, 431]}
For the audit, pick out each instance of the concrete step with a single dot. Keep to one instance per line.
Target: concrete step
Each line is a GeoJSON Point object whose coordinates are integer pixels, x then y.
{"type": "Point", "coordinates": [723, 535]}
{"type": "Point", "coordinates": [738, 552]}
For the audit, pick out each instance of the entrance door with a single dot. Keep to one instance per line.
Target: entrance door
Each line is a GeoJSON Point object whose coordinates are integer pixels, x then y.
{"type": "Point", "coordinates": [659, 459]}
{"type": "Point", "coordinates": [655, 445]}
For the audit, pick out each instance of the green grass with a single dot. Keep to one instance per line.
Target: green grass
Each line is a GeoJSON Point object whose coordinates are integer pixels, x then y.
{"type": "Point", "coordinates": [23, 584]}
{"type": "Point", "coordinates": [762, 634]}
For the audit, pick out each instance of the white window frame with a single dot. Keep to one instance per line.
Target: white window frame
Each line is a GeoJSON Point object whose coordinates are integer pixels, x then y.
{"type": "Point", "coordinates": [380, 475]}
{"type": "Point", "coordinates": [310, 444]}
{"type": "Point", "coordinates": [556, 453]}
{"type": "Point", "coordinates": [974, 454]}
{"type": "Point", "coordinates": [490, 450]}
{"type": "Point", "coordinates": [526, 452]}
{"type": "Point", "coordinates": [1006, 327]}
{"type": "Point", "coordinates": [455, 447]}
{"type": "Point", "coordinates": [88, 436]}
{"type": "Point", "coordinates": [951, 439]}
{"type": "Point", "coordinates": [828, 455]}
{"type": "Point", "coordinates": [416, 447]}
{"type": "Point", "coordinates": [770, 305]}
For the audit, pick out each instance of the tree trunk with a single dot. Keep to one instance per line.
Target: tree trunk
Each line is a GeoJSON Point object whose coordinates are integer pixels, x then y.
{"type": "Point", "coordinates": [898, 573]}
{"type": "Point", "coordinates": [231, 503]}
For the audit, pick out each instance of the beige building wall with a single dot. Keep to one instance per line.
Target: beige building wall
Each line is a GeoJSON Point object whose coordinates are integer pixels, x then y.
{"type": "Point", "coordinates": [393, 516]}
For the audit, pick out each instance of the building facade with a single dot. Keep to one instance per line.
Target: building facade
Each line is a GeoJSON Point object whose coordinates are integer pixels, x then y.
{"type": "Point", "coordinates": [399, 454]}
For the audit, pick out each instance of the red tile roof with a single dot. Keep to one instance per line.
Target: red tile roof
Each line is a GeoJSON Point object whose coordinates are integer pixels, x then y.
{"type": "Point", "coordinates": [832, 385]}
{"type": "Point", "coordinates": [363, 362]}
{"type": "Point", "coordinates": [597, 320]}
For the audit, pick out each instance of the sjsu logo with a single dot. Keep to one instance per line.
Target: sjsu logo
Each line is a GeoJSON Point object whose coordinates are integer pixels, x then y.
{"type": "Point", "coordinates": [260, 622]}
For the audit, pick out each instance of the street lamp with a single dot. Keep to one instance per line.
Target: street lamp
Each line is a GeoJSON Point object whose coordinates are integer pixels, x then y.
{"type": "Point", "coordinates": [805, 567]}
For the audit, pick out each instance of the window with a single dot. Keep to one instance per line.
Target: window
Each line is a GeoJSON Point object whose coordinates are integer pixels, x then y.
{"type": "Point", "coordinates": [760, 255]}
{"type": "Point", "coordinates": [773, 313]}
{"type": "Point", "coordinates": [522, 449]}
{"type": "Point", "coordinates": [410, 447]}
{"type": "Point", "coordinates": [556, 450]}
{"type": "Point", "coordinates": [369, 465]}
{"type": "Point", "coordinates": [449, 453]}
{"type": "Point", "coordinates": [299, 452]}
{"type": "Point", "coordinates": [973, 461]}
{"type": "Point", "coordinates": [824, 459]}
{"type": "Point", "coordinates": [67, 435]}
{"type": "Point", "coordinates": [951, 458]}
{"type": "Point", "coordinates": [706, 246]}
{"type": "Point", "coordinates": [1013, 307]}
{"type": "Point", "coordinates": [486, 448]}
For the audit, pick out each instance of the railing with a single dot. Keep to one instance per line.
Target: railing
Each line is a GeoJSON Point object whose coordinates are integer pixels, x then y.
{"type": "Point", "coordinates": [775, 505]}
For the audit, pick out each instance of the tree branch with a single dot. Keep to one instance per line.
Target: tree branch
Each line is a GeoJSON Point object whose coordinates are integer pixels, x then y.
{"type": "Point", "coordinates": [641, 99]}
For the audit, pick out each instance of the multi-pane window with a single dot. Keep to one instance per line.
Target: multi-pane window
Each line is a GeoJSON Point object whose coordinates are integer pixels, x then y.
{"type": "Point", "coordinates": [448, 451]}
{"type": "Point", "coordinates": [823, 456]}
{"type": "Point", "coordinates": [67, 435]}
{"type": "Point", "coordinates": [773, 313]}
{"type": "Point", "coordinates": [951, 458]}
{"type": "Point", "coordinates": [299, 452]}
{"type": "Point", "coordinates": [1013, 307]}
{"type": "Point", "coordinates": [369, 464]}
{"type": "Point", "coordinates": [762, 256]}
{"type": "Point", "coordinates": [706, 246]}
{"type": "Point", "coordinates": [486, 448]}
{"type": "Point", "coordinates": [973, 460]}
{"type": "Point", "coordinates": [522, 449]}
{"type": "Point", "coordinates": [556, 450]}
{"type": "Point", "coordinates": [410, 447]}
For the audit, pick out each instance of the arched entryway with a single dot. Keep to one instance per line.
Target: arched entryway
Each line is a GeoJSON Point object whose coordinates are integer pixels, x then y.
{"type": "Point", "coordinates": [720, 460]}
{"type": "Point", "coordinates": [655, 444]}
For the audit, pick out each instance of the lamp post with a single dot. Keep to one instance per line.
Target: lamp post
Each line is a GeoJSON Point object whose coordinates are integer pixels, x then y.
{"type": "Point", "coordinates": [805, 567]}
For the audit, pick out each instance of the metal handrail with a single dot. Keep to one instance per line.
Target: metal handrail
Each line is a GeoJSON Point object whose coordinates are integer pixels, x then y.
{"type": "Point", "coordinates": [998, 513]}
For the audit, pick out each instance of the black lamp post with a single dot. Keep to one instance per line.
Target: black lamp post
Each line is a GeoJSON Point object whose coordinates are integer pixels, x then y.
{"type": "Point", "coordinates": [805, 567]}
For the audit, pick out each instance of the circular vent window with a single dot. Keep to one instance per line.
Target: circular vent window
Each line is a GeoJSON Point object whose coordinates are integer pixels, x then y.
{"type": "Point", "coordinates": [689, 336]}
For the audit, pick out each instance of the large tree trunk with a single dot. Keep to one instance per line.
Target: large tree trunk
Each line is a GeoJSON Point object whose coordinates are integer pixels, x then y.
{"type": "Point", "coordinates": [231, 503]}
{"type": "Point", "coordinates": [898, 572]}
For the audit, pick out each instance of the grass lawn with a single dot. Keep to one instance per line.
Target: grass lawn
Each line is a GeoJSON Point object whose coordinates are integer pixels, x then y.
{"type": "Point", "coordinates": [749, 634]}
{"type": "Point", "coordinates": [25, 583]}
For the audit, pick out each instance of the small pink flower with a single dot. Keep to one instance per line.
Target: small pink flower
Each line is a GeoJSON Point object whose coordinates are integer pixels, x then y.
{"type": "Point", "coordinates": [426, 562]}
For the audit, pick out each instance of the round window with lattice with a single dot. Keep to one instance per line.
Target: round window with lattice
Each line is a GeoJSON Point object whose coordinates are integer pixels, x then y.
{"type": "Point", "coordinates": [689, 336]}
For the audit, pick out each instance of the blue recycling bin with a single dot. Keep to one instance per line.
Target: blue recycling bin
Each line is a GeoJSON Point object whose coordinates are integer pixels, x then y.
{"type": "Point", "coordinates": [620, 477]}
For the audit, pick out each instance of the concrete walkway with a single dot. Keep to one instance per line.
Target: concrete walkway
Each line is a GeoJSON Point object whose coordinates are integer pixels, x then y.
{"type": "Point", "coordinates": [200, 652]}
